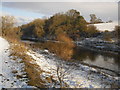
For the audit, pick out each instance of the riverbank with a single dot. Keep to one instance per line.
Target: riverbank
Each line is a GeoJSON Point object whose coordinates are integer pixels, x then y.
{"type": "Point", "coordinates": [44, 68]}
{"type": "Point", "coordinates": [78, 75]}
{"type": "Point", "coordinates": [99, 45]}
{"type": "Point", "coordinates": [12, 74]}
{"type": "Point", "coordinates": [95, 44]}
{"type": "Point", "coordinates": [104, 60]}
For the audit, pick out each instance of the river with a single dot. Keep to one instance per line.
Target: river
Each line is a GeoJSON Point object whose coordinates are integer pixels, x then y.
{"type": "Point", "coordinates": [107, 62]}
{"type": "Point", "coordinates": [100, 59]}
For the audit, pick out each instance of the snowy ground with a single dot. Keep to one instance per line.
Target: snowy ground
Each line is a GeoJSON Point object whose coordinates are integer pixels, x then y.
{"type": "Point", "coordinates": [77, 75]}
{"type": "Point", "coordinates": [10, 69]}
{"type": "Point", "coordinates": [106, 26]}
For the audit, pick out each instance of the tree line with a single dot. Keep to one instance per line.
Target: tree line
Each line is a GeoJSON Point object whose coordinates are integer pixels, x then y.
{"type": "Point", "coordinates": [71, 24]}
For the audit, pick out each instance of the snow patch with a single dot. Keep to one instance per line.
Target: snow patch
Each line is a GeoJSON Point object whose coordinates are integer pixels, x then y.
{"type": "Point", "coordinates": [80, 76]}
{"type": "Point", "coordinates": [8, 78]}
{"type": "Point", "coordinates": [106, 26]}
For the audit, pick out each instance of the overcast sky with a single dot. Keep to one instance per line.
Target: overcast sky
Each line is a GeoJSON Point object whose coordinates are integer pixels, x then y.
{"type": "Point", "coordinates": [104, 10]}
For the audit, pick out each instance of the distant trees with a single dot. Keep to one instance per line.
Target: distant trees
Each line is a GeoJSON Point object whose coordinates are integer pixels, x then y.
{"type": "Point", "coordinates": [109, 21]}
{"type": "Point", "coordinates": [73, 13]}
{"type": "Point", "coordinates": [107, 36]}
{"type": "Point", "coordinates": [94, 19]}
{"type": "Point", "coordinates": [91, 31]}
{"type": "Point", "coordinates": [33, 29]}
{"type": "Point", "coordinates": [39, 27]}
{"type": "Point", "coordinates": [8, 28]}
{"type": "Point", "coordinates": [71, 22]}
{"type": "Point", "coordinates": [8, 23]}
{"type": "Point", "coordinates": [117, 30]}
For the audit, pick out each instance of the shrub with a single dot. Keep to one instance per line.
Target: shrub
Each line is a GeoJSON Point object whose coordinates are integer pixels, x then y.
{"type": "Point", "coordinates": [8, 23]}
{"type": "Point", "coordinates": [62, 48]}
{"type": "Point", "coordinates": [107, 36]}
{"type": "Point", "coordinates": [91, 30]}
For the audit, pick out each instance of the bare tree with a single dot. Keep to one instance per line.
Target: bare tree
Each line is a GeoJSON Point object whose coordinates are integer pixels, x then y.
{"type": "Point", "coordinates": [94, 19]}
{"type": "Point", "coordinates": [62, 74]}
{"type": "Point", "coordinates": [7, 23]}
{"type": "Point", "coordinates": [57, 79]}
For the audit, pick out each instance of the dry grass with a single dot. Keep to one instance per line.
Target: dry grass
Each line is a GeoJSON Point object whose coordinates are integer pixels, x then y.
{"type": "Point", "coordinates": [31, 69]}
{"type": "Point", "coordinates": [62, 50]}
{"type": "Point", "coordinates": [18, 50]}
{"type": "Point", "coordinates": [14, 71]}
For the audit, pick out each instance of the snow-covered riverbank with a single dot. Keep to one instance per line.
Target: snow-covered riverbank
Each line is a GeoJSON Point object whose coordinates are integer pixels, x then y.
{"type": "Point", "coordinates": [99, 45]}
{"type": "Point", "coordinates": [10, 70]}
{"type": "Point", "coordinates": [76, 75]}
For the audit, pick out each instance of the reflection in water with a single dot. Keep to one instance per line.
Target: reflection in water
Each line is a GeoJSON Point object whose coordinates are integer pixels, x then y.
{"type": "Point", "coordinates": [83, 54]}
{"type": "Point", "coordinates": [67, 50]}
{"type": "Point", "coordinates": [106, 60]}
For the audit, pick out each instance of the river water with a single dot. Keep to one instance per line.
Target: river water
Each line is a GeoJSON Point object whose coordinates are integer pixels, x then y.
{"type": "Point", "coordinates": [79, 54]}
{"type": "Point", "coordinates": [101, 59]}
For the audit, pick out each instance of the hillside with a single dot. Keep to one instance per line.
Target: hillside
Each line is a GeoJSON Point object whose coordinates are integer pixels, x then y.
{"type": "Point", "coordinates": [106, 26]}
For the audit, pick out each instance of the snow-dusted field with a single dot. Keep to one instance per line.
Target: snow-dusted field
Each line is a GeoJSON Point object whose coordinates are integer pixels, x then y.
{"type": "Point", "coordinates": [80, 76]}
{"type": "Point", "coordinates": [76, 75]}
{"type": "Point", "coordinates": [106, 26]}
{"type": "Point", "coordinates": [7, 66]}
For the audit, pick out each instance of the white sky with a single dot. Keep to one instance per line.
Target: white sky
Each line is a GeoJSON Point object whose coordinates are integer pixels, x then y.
{"type": "Point", "coordinates": [105, 9]}
{"type": "Point", "coordinates": [60, 0]}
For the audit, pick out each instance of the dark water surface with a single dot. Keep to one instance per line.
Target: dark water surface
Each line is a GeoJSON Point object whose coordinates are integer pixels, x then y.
{"type": "Point", "coordinates": [101, 59]}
